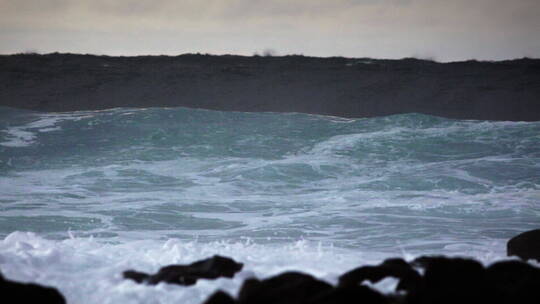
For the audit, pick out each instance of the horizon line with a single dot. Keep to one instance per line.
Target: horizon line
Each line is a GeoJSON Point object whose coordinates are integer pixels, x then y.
{"type": "Point", "coordinates": [267, 55]}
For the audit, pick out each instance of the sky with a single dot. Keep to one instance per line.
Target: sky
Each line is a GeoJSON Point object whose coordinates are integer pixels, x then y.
{"type": "Point", "coordinates": [442, 30]}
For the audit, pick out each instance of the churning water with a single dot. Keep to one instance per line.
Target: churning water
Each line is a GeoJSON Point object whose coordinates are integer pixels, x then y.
{"type": "Point", "coordinates": [87, 195]}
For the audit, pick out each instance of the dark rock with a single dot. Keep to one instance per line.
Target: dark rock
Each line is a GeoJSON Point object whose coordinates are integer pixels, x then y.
{"type": "Point", "coordinates": [215, 267]}
{"type": "Point", "coordinates": [409, 279]}
{"type": "Point", "coordinates": [444, 281]}
{"type": "Point", "coordinates": [289, 287]}
{"type": "Point", "coordinates": [220, 297]}
{"type": "Point", "coordinates": [15, 292]}
{"type": "Point", "coordinates": [249, 289]}
{"type": "Point", "coordinates": [211, 268]}
{"type": "Point", "coordinates": [513, 282]}
{"type": "Point", "coordinates": [350, 295]}
{"type": "Point", "coordinates": [136, 276]}
{"type": "Point", "coordinates": [450, 280]}
{"type": "Point", "coordinates": [525, 245]}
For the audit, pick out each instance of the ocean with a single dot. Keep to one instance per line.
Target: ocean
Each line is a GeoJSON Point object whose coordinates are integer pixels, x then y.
{"type": "Point", "coordinates": [87, 195]}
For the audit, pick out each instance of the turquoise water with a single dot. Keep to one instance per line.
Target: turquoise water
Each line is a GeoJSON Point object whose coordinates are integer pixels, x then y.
{"type": "Point", "coordinates": [315, 190]}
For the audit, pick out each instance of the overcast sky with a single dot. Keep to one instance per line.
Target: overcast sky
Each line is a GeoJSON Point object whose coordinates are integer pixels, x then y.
{"type": "Point", "coordinates": [445, 30]}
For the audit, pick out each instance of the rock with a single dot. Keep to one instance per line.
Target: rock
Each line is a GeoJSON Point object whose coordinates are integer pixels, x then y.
{"type": "Point", "coordinates": [513, 282]}
{"type": "Point", "coordinates": [450, 280]}
{"type": "Point", "coordinates": [444, 281]}
{"type": "Point", "coordinates": [211, 268]}
{"type": "Point", "coordinates": [288, 287]}
{"type": "Point", "coordinates": [409, 279]}
{"type": "Point", "coordinates": [350, 295]}
{"type": "Point", "coordinates": [525, 245]}
{"type": "Point", "coordinates": [136, 276]}
{"type": "Point", "coordinates": [220, 297]}
{"type": "Point", "coordinates": [300, 288]}
{"type": "Point", "coordinates": [16, 292]}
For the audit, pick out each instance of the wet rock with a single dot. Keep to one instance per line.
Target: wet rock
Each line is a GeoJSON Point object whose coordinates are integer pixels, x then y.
{"type": "Point", "coordinates": [28, 293]}
{"type": "Point", "coordinates": [525, 245]}
{"type": "Point", "coordinates": [301, 288]}
{"type": "Point", "coordinates": [513, 282]}
{"type": "Point", "coordinates": [289, 287]}
{"type": "Point", "coordinates": [136, 276]}
{"type": "Point", "coordinates": [211, 268]}
{"type": "Point", "coordinates": [220, 297]}
{"type": "Point", "coordinates": [350, 295]}
{"type": "Point", "coordinates": [409, 279]}
{"type": "Point", "coordinates": [444, 280]}
{"type": "Point", "coordinates": [450, 280]}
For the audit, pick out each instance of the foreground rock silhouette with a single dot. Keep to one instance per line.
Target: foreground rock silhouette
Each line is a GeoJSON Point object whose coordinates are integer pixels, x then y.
{"type": "Point", "coordinates": [297, 287]}
{"type": "Point", "coordinates": [425, 280]}
{"type": "Point", "coordinates": [409, 278]}
{"type": "Point", "coordinates": [211, 268]}
{"type": "Point", "coordinates": [15, 292]}
{"type": "Point", "coordinates": [525, 245]}
{"type": "Point", "coordinates": [348, 87]}
{"type": "Point", "coordinates": [444, 281]}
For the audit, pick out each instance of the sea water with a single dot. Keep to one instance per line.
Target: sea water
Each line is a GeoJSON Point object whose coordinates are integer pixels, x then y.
{"type": "Point", "coordinates": [87, 195]}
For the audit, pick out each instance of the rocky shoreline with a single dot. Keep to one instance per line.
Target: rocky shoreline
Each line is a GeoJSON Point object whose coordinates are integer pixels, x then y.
{"type": "Point", "coordinates": [347, 87]}
{"type": "Point", "coordinates": [424, 280]}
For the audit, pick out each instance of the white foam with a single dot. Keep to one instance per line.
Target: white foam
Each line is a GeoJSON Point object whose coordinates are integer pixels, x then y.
{"type": "Point", "coordinates": [90, 271]}
{"type": "Point", "coordinates": [18, 137]}
{"type": "Point", "coordinates": [25, 135]}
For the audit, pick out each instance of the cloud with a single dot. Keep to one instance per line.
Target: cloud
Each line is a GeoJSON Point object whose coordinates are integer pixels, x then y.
{"type": "Point", "coordinates": [22, 6]}
{"type": "Point", "coordinates": [446, 29]}
{"type": "Point", "coordinates": [308, 13]}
